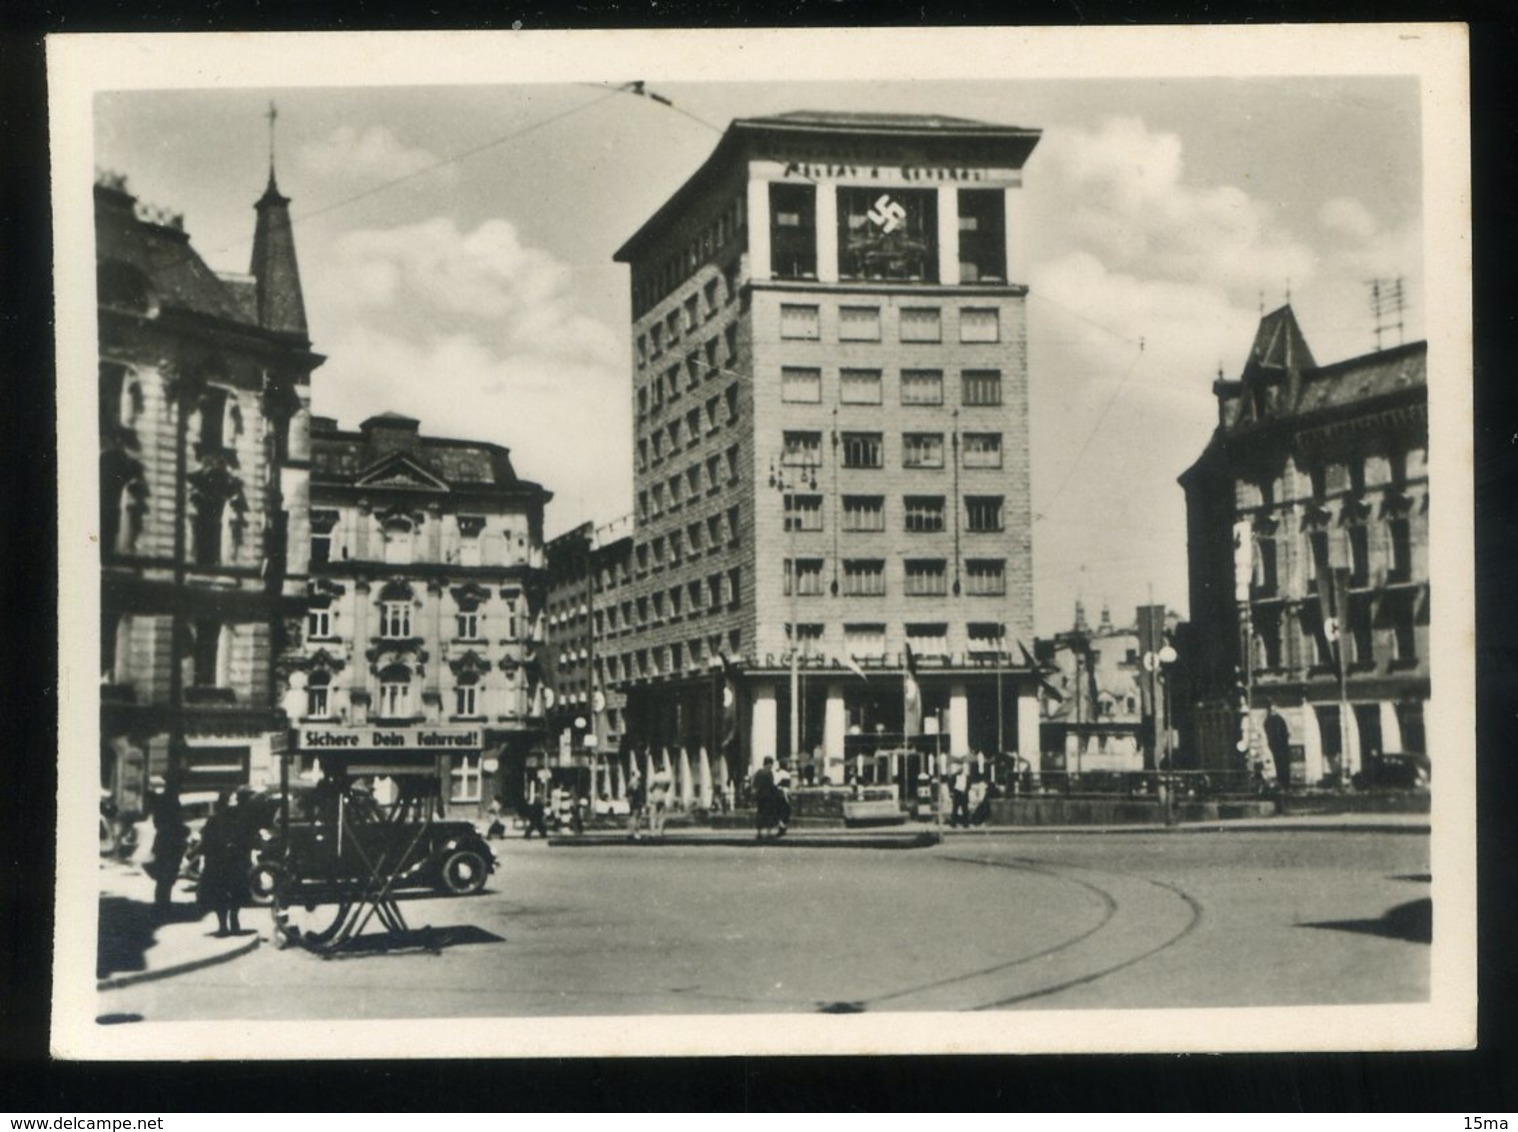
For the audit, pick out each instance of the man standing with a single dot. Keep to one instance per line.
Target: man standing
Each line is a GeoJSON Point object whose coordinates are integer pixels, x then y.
{"type": "Point", "coordinates": [766, 798]}
{"type": "Point", "coordinates": [959, 797]}
{"type": "Point", "coordinates": [1278, 739]}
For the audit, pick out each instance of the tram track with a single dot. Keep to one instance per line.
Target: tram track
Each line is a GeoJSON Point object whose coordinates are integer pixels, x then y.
{"type": "Point", "coordinates": [1134, 927]}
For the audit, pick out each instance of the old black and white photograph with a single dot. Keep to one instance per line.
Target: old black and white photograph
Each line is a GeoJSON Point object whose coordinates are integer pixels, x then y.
{"type": "Point", "coordinates": [740, 542]}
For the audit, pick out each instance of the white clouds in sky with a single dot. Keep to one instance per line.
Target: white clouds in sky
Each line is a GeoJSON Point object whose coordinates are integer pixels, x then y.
{"type": "Point", "coordinates": [365, 157]}
{"type": "Point", "coordinates": [478, 335]}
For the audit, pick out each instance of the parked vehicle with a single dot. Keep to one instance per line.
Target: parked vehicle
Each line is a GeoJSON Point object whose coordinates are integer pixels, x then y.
{"type": "Point", "coordinates": [333, 840]}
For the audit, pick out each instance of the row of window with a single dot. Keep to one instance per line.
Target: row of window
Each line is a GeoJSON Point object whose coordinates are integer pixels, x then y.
{"type": "Point", "coordinates": [667, 386]}
{"type": "Point", "coordinates": [978, 388]}
{"type": "Point", "coordinates": [687, 318]}
{"type": "Point", "coordinates": [1394, 468]}
{"type": "Point", "coordinates": [397, 698]}
{"type": "Point", "coordinates": [802, 448]}
{"type": "Point", "coordinates": [920, 514]}
{"type": "Point", "coordinates": [886, 233]}
{"type": "Point", "coordinates": [402, 542]}
{"type": "Point", "coordinates": [1396, 554]}
{"type": "Point", "coordinates": [920, 577]}
{"type": "Point", "coordinates": [700, 653]}
{"type": "Point", "coordinates": [1394, 617]}
{"type": "Point", "coordinates": [397, 622]}
{"type": "Point", "coordinates": [650, 285]}
{"type": "Point", "coordinates": [699, 534]}
{"type": "Point", "coordinates": [714, 592]}
{"type": "Point", "coordinates": [802, 322]}
{"type": "Point", "coordinates": [665, 443]}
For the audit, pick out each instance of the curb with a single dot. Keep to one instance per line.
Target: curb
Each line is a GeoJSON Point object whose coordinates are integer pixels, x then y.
{"type": "Point", "coordinates": [790, 841]}
{"type": "Point", "coordinates": [116, 982]}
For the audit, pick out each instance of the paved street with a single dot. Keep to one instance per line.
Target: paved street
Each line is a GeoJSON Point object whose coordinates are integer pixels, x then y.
{"type": "Point", "coordinates": [1043, 920]}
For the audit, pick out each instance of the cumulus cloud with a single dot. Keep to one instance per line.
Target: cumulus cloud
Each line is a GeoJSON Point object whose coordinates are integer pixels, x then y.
{"type": "Point", "coordinates": [1127, 201]}
{"type": "Point", "coordinates": [373, 155]}
{"type": "Point", "coordinates": [1346, 216]}
{"type": "Point", "coordinates": [478, 335]}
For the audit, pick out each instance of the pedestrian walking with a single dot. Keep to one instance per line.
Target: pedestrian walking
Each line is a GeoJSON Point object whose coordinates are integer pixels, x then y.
{"type": "Point", "coordinates": [223, 886]}
{"type": "Point", "coordinates": [637, 801]}
{"type": "Point", "coordinates": [767, 799]}
{"type": "Point", "coordinates": [170, 836]}
{"type": "Point", "coordinates": [661, 788]}
{"type": "Point", "coordinates": [534, 813]}
{"type": "Point", "coordinates": [783, 808]}
{"type": "Point", "coordinates": [959, 797]}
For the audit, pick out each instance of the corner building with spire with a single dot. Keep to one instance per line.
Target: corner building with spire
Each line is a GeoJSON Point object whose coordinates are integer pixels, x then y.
{"type": "Point", "coordinates": [204, 406]}
{"type": "Point", "coordinates": [830, 403]}
{"type": "Point", "coordinates": [1307, 545]}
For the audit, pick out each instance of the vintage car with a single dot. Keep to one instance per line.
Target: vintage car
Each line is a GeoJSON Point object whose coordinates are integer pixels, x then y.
{"type": "Point", "coordinates": [333, 843]}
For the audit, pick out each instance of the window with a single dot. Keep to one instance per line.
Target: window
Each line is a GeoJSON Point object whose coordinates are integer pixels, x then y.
{"type": "Point", "coordinates": [395, 693]}
{"type": "Point", "coordinates": [926, 577]}
{"type": "Point", "coordinates": [807, 636]}
{"type": "Point", "coordinates": [1401, 567]}
{"type": "Point", "coordinates": [658, 499]}
{"type": "Point", "coordinates": [980, 324]}
{"type": "Point", "coordinates": [986, 636]}
{"type": "Point", "coordinates": [692, 371]}
{"type": "Point", "coordinates": [643, 402]}
{"type": "Point", "coordinates": [467, 626]}
{"type": "Point", "coordinates": [859, 324]}
{"type": "Point", "coordinates": [1317, 561]}
{"type": "Point", "coordinates": [802, 449]}
{"type": "Point", "coordinates": [734, 584]}
{"type": "Point", "coordinates": [322, 525]}
{"type": "Point", "coordinates": [806, 574]}
{"type": "Point", "coordinates": [923, 514]}
{"type": "Point", "coordinates": [714, 590]}
{"type": "Point", "coordinates": [1267, 628]}
{"type": "Point", "coordinates": [863, 450]}
{"type": "Point", "coordinates": [732, 523]}
{"type": "Point", "coordinates": [799, 322]}
{"type": "Point", "coordinates": [860, 387]}
{"type": "Point", "coordinates": [793, 231]}
{"type": "Point", "coordinates": [985, 577]}
{"type": "Point", "coordinates": [713, 474]}
{"type": "Point", "coordinates": [656, 335]}
{"type": "Point", "coordinates": [921, 387]}
{"type": "Point", "coordinates": [983, 512]}
{"type": "Point", "coordinates": [888, 234]}
{"type": "Point", "coordinates": [1359, 553]}
{"type": "Point", "coordinates": [319, 624]}
{"type": "Point", "coordinates": [982, 449]}
{"type": "Point", "coordinates": [803, 512]}
{"type": "Point", "coordinates": [465, 777]}
{"type": "Point", "coordinates": [922, 450]}
{"type": "Point", "coordinates": [395, 619]}
{"type": "Point", "coordinates": [642, 349]}
{"type": "Point", "coordinates": [710, 291]}
{"type": "Point", "coordinates": [693, 480]}
{"type": "Point", "coordinates": [929, 640]}
{"type": "Point", "coordinates": [982, 387]}
{"type": "Point", "coordinates": [319, 696]}
{"type": "Point", "coordinates": [466, 699]}
{"type": "Point", "coordinates": [982, 236]}
{"type": "Point", "coordinates": [921, 324]}
{"type": "Point", "coordinates": [731, 395]}
{"type": "Point", "coordinates": [863, 577]}
{"type": "Point", "coordinates": [864, 513]}
{"type": "Point", "coordinates": [730, 336]}
{"type": "Point", "coordinates": [692, 313]}
{"type": "Point", "coordinates": [1266, 574]}
{"type": "Point", "coordinates": [205, 533]}
{"type": "Point", "coordinates": [1410, 723]}
{"type": "Point", "coordinates": [693, 595]}
{"type": "Point", "coordinates": [397, 533]}
{"type": "Point", "coordinates": [864, 640]}
{"type": "Point", "coordinates": [672, 326]}
{"type": "Point", "coordinates": [801, 386]}
{"type": "Point", "coordinates": [1359, 631]}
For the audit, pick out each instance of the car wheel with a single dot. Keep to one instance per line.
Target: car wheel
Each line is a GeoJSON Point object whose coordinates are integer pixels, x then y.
{"type": "Point", "coordinates": [261, 881]}
{"type": "Point", "coordinates": [463, 873]}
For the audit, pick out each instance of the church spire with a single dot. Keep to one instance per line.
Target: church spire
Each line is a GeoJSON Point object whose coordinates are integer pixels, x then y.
{"type": "Point", "coordinates": [281, 306]}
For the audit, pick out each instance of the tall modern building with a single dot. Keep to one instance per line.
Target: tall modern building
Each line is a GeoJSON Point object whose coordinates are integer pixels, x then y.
{"type": "Point", "coordinates": [204, 389]}
{"type": "Point", "coordinates": [424, 620]}
{"type": "Point", "coordinates": [1307, 527]}
{"type": "Point", "coordinates": [830, 398]}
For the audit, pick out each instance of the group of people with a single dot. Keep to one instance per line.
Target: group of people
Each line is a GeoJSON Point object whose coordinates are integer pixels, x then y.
{"type": "Point", "coordinates": [969, 799]}
{"type": "Point", "coordinates": [226, 846]}
{"type": "Point", "coordinates": [772, 802]}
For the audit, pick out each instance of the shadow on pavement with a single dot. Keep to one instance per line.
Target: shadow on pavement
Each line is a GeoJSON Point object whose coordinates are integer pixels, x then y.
{"type": "Point", "coordinates": [423, 939]}
{"type": "Point", "coordinates": [128, 928]}
{"type": "Point", "coordinates": [1412, 922]}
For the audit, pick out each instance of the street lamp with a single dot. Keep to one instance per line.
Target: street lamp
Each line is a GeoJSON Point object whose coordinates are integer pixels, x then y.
{"type": "Point", "coordinates": [801, 475]}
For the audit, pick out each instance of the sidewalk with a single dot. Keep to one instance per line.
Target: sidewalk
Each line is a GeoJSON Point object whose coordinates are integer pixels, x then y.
{"type": "Point", "coordinates": [137, 942]}
{"type": "Point", "coordinates": [918, 834]}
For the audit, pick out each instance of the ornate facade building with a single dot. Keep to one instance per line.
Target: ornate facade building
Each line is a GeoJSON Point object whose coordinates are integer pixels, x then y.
{"type": "Point", "coordinates": [1307, 520]}
{"type": "Point", "coordinates": [204, 394]}
{"type": "Point", "coordinates": [831, 447]}
{"type": "Point", "coordinates": [424, 620]}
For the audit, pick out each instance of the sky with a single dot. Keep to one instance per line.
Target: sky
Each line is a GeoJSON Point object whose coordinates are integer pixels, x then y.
{"type": "Point", "coordinates": [455, 247]}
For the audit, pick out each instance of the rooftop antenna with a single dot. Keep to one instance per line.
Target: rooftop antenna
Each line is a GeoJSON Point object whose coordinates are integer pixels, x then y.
{"type": "Point", "coordinates": [1388, 299]}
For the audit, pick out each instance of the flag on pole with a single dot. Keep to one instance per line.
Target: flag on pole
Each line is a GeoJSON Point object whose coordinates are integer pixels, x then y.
{"type": "Point", "coordinates": [1049, 689]}
{"type": "Point", "coordinates": [729, 703]}
{"type": "Point", "coordinates": [911, 698]}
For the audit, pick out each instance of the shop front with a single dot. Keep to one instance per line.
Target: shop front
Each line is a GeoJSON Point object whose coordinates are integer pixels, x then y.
{"type": "Point", "coordinates": [457, 755]}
